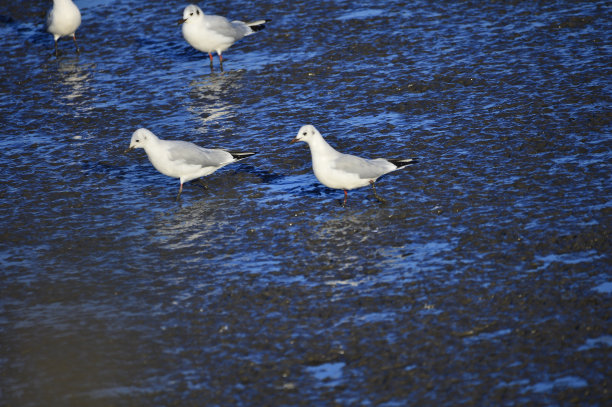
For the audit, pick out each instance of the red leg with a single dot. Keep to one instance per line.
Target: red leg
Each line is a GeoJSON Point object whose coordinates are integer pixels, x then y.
{"type": "Point", "coordinates": [221, 61]}
{"type": "Point", "coordinates": [345, 198]}
{"type": "Point", "coordinates": [211, 60]}
{"type": "Point", "coordinates": [75, 43]}
{"type": "Point", "coordinates": [180, 190]}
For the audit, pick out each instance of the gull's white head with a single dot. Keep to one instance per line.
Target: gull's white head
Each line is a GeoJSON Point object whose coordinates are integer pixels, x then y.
{"type": "Point", "coordinates": [306, 134]}
{"type": "Point", "coordinates": [191, 14]}
{"type": "Point", "coordinates": [141, 138]}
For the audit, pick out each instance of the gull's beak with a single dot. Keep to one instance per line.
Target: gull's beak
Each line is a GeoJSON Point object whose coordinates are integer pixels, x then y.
{"type": "Point", "coordinates": [127, 150]}
{"type": "Point", "coordinates": [295, 140]}
{"type": "Point", "coordinates": [181, 21]}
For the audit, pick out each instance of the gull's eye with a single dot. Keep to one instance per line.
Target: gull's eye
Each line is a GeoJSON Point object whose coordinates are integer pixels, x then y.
{"type": "Point", "coordinates": [190, 14]}
{"type": "Point", "coordinates": [198, 12]}
{"type": "Point", "coordinates": [303, 134]}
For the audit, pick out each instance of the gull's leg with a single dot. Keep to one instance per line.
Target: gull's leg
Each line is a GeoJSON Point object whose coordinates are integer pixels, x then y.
{"type": "Point", "coordinates": [56, 51]}
{"type": "Point", "coordinates": [375, 194]}
{"type": "Point", "coordinates": [220, 61]}
{"type": "Point", "coordinates": [180, 190]}
{"type": "Point", "coordinates": [211, 60]}
{"type": "Point", "coordinates": [75, 44]}
{"type": "Point", "coordinates": [345, 198]}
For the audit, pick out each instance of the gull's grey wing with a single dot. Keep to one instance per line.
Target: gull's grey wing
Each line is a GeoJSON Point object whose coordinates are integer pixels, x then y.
{"type": "Point", "coordinates": [242, 29]}
{"type": "Point", "coordinates": [192, 154]}
{"type": "Point", "coordinates": [221, 25]}
{"type": "Point", "coordinates": [365, 169]}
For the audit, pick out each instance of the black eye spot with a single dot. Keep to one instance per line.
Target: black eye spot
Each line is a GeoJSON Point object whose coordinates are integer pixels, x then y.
{"type": "Point", "coordinates": [198, 12]}
{"type": "Point", "coordinates": [303, 134]}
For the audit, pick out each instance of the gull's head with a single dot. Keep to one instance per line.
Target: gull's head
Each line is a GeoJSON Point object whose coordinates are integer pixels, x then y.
{"type": "Point", "coordinates": [140, 138]}
{"type": "Point", "coordinates": [191, 13]}
{"type": "Point", "coordinates": [306, 134]}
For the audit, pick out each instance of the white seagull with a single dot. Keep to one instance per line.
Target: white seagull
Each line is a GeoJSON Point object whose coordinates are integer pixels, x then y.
{"type": "Point", "coordinates": [63, 20]}
{"type": "Point", "coordinates": [208, 33]}
{"type": "Point", "coordinates": [344, 171]}
{"type": "Point", "coordinates": [182, 159]}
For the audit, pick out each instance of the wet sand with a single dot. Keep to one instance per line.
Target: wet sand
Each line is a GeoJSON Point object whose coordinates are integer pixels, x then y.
{"type": "Point", "coordinates": [485, 279]}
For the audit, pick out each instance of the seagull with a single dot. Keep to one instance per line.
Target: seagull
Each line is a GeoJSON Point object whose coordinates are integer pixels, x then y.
{"type": "Point", "coordinates": [208, 33]}
{"type": "Point", "coordinates": [63, 20]}
{"type": "Point", "coordinates": [344, 171]}
{"type": "Point", "coordinates": [182, 159]}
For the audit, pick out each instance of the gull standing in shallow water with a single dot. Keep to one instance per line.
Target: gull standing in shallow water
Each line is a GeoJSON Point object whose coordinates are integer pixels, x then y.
{"type": "Point", "coordinates": [208, 33]}
{"type": "Point", "coordinates": [182, 159]}
{"type": "Point", "coordinates": [63, 20]}
{"type": "Point", "coordinates": [344, 171]}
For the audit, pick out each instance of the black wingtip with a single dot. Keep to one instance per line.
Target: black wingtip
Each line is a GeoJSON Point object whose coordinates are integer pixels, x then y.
{"type": "Point", "coordinates": [259, 27]}
{"type": "Point", "coordinates": [241, 155]}
{"type": "Point", "coordinates": [403, 163]}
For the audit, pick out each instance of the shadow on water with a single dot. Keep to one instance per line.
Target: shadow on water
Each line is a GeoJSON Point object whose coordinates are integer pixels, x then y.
{"type": "Point", "coordinates": [74, 81]}
{"type": "Point", "coordinates": [211, 96]}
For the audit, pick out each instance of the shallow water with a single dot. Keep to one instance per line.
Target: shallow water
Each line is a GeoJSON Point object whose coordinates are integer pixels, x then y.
{"type": "Point", "coordinates": [484, 280]}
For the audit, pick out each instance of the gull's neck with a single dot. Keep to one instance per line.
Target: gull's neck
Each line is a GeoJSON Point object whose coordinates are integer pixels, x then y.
{"type": "Point", "coordinates": [320, 148]}
{"type": "Point", "coordinates": [152, 142]}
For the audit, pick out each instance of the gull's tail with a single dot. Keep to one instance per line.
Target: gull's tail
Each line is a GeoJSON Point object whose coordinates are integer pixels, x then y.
{"type": "Point", "coordinates": [240, 156]}
{"type": "Point", "coordinates": [403, 163]}
{"type": "Point", "coordinates": [257, 25]}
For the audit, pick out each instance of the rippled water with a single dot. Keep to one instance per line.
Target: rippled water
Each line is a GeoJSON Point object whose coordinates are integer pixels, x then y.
{"type": "Point", "coordinates": [484, 280]}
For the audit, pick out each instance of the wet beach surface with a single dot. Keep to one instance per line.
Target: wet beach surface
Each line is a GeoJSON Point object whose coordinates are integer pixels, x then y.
{"type": "Point", "coordinates": [485, 279]}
